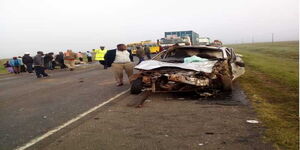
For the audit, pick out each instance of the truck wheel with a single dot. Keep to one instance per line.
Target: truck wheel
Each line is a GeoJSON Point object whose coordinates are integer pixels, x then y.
{"type": "Point", "coordinates": [136, 86]}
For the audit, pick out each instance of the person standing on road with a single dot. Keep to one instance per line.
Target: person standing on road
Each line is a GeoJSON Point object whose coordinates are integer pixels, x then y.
{"type": "Point", "coordinates": [120, 59]}
{"type": "Point", "coordinates": [38, 62]}
{"type": "Point", "coordinates": [147, 51]}
{"type": "Point", "coordinates": [48, 61]}
{"type": "Point", "coordinates": [22, 66]}
{"type": "Point", "coordinates": [89, 56]}
{"type": "Point", "coordinates": [28, 61]}
{"type": "Point", "coordinates": [69, 58]}
{"type": "Point", "coordinates": [80, 56]}
{"type": "Point", "coordinates": [140, 53]}
{"type": "Point", "coordinates": [15, 63]}
{"type": "Point", "coordinates": [60, 60]}
{"type": "Point", "coordinates": [100, 53]}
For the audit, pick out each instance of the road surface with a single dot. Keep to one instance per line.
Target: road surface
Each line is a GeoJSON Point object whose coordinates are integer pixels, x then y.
{"type": "Point", "coordinates": [30, 107]}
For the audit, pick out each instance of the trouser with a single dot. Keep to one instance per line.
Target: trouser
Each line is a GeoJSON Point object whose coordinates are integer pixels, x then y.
{"type": "Point", "coordinates": [49, 65]}
{"type": "Point", "coordinates": [103, 62]}
{"type": "Point", "coordinates": [40, 71]}
{"type": "Point", "coordinates": [17, 69]}
{"type": "Point", "coordinates": [89, 59]}
{"type": "Point", "coordinates": [29, 67]}
{"type": "Point", "coordinates": [62, 64]}
{"type": "Point", "coordinates": [54, 64]}
{"type": "Point", "coordinates": [141, 59]}
{"type": "Point", "coordinates": [70, 64]}
{"type": "Point", "coordinates": [118, 70]}
{"type": "Point", "coordinates": [10, 69]}
{"type": "Point", "coordinates": [148, 55]}
{"type": "Point", "coordinates": [22, 68]}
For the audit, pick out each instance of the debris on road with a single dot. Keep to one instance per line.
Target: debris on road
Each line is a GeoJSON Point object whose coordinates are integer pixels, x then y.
{"type": "Point", "coordinates": [209, 133]}
{"type": "Point", "coordinates": [200, 144]}
{"type": "Point", "coordinates": [139, 101]}
{"type": "Point", "coordinates": [252, 121]}
{"type": "Point", "coordinates": [206, 94]}
{"type": "Point", "coordinates": [147, 100]}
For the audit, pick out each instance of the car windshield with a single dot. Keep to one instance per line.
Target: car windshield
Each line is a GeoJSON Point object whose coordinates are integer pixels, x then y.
{"type": "Point", "coordinates": [178, 55]}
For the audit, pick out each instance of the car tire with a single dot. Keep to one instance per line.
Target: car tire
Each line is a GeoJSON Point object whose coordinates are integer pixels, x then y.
{"type": "Point", "coordinates": [136, 86]}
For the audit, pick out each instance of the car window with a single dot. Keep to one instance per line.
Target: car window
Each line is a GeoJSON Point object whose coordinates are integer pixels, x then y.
{"type": "Point", "coordinates": [203, 53]}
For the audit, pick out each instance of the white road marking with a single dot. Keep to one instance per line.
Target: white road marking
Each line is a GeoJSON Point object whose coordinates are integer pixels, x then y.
{"type": "Point", "coordinates": [37, 139]}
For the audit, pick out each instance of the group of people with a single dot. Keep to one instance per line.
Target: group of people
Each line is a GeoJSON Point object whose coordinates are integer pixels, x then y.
{"type": "Point", "coordinates": [120, 59]}
{"type": "Point", "coordinates": [40, 62]}
{"type": "Point", "coordinates": [141, 52]}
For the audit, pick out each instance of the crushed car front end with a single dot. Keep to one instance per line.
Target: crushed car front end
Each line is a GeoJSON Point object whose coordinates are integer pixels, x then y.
{"type": "Point", "coordinates": [166, 76]}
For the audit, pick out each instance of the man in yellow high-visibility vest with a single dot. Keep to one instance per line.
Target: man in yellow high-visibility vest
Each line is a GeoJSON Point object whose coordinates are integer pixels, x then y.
{"type": "Point", "coordinates": [99, 56]}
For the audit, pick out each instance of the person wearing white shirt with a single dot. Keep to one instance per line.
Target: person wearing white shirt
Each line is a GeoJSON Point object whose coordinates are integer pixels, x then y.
{"type": "Point", "coordinates": [120, 60]}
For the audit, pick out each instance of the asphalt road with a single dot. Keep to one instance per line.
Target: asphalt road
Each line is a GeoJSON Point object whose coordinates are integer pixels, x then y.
{"type": "Point", "coordinates": [166, 122]}
{"type": "Point", "coordinates": [30, 107]}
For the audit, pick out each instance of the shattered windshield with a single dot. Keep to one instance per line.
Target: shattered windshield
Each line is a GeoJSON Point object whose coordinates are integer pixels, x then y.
{"type": "Point", "coordinates": [178, 55]}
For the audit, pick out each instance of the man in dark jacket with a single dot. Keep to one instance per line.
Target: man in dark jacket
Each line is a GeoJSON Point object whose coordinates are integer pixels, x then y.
{"type": "Point", "coordinates": [48, 61]}
{"type": "Point", "coordinates": [60, 60]}
{"type": "Point", "coordinates": [120, 59]}
{"type": "Point", "coordinates": [140, 53]}
{"type": "Point", "coordinates": [38, 62]}
{"type": "Point", "coordinates": [28, 61]}
{"type": "Point", "coordinates": [147, 51]}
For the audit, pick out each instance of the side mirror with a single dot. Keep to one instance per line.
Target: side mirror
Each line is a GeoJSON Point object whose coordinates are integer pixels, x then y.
{"type": "Point", "coordinates": [241, 64]}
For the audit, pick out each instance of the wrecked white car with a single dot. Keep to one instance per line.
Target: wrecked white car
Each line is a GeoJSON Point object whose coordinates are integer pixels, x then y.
{"type": "Point", "coordinates": [188, 68]}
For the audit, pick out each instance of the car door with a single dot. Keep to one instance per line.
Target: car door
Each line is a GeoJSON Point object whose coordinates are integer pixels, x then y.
{"type": "Point", "coordinates": [237, 68]}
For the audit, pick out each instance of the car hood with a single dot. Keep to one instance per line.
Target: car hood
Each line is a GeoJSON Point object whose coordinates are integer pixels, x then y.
{"type": "Point", "coordinates": [205, 66]}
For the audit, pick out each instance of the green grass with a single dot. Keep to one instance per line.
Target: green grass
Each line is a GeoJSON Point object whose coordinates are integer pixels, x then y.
{"type": "Point", "coordinates": [271, 82]}
{"type": "Point", "coordinates": [2, 69]}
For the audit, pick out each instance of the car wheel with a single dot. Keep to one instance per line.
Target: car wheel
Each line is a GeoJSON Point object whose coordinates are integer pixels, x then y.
{"type": "Point", "coordinates": [136, 86]}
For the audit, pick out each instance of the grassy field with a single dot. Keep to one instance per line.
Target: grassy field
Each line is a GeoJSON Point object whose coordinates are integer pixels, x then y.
{"type": "Point", "coordinates": [271, 82]}
{"type": "Point", "coordinates": [2, 69]}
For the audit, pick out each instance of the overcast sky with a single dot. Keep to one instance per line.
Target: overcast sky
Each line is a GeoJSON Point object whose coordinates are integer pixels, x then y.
{"type": "Point", "coordinates": [57, 25]}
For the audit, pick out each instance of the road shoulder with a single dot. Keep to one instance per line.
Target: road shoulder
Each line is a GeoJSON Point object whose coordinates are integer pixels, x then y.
{"type": "Point", "coordinates": [164, 123]}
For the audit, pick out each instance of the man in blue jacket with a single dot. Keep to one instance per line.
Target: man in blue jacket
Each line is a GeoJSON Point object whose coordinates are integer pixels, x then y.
{"type": "Point", "coordinates": [16, 64]}
{"type": "Point", "coordinates": [120, 59]}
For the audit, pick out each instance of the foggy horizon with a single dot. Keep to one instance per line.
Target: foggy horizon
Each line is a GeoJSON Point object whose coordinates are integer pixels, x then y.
{"type": "Point", "coordinates": [53, 26]}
